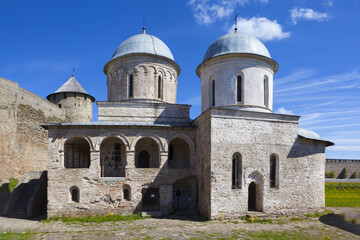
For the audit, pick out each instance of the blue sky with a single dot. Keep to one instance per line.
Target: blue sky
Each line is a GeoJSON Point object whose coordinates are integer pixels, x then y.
{"type": "Point", "coordinates": [316, 44]}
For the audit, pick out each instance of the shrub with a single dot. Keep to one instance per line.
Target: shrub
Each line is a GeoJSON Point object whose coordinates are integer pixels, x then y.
{"type": "Point", "coordinates": [354, 175]}
{"type": "Point", "coordinates": [329, 174]}
{"type": "Point", "coordinates": [12, 184]}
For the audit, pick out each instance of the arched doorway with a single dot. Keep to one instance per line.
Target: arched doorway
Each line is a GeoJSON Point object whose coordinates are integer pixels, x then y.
{"type": "Point", "coordinates": [184, 195]}
{"type": "Point", "coordinates": [253, 197]}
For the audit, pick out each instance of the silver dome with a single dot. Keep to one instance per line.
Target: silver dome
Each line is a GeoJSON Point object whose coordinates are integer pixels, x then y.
{"type": "Point", "coordinates": [236, 43]}
{"type": "Point", "coordinates": [143, 43]}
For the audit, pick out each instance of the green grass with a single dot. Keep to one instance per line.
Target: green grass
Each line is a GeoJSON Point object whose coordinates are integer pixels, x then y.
{"type": "Point", "coordinates": [95, 219]}
{"type": "Point", "coordinates": [342, 194]}
{"type": "Point", "coordinates": [12, 183]}
{"type": "Point", "coordinates": [17, 236]}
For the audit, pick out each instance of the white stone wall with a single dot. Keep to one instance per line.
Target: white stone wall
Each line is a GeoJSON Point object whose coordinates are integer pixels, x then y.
{"type": "Point", "coordinates": [78, 107]}
{"type": "Point", "coordinates": [224, 70]}
{"type": "Point", "coordinates": [145, 70]}
{"type": "Point", "coordinates": [256, 136]}
{"type": "Point", "coordinates": [101, 195]}
{"type": "Point", "coordinates": [143, 112]}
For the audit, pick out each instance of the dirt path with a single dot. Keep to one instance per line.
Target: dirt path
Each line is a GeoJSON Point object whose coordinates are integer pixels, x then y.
{"type": "Point", "coordinates": [152, 228]}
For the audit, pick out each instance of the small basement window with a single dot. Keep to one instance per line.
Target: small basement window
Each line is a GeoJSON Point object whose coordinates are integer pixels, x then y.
{"type": "Point", "coordinates": [74, 191]}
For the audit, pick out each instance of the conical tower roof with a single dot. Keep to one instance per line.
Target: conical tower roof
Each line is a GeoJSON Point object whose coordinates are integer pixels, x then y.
{"type": "Point", "coordinates": [71, 86]}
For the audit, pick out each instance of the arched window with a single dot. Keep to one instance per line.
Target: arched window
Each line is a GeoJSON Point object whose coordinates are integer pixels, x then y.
{"type": "Point", "coordinates": [274, 166]}
{"type": "Point", "coordinates": [239, 89]}
{"type": "Point", "coordinates": [112, 157]}
{"type": "Point", "coordinates": [75, 196]}
{"type": "Point", "coordinates": [131, 86]}
{"type": "Point", "coordinates": [179, 154]}
{"type": "Point", "coordinates": [266, 91]}
{"type": "Point", "coordinates": [77, 153]}
{"type": "Point", "coordinates": [147, 154]}
{"type": "Point", "coordinates": [159, 87]}
{"type": "Point", "coordinates": [126, 192]}
{"type": "Point", "coordinates": [213, 93]}
{"type": "Point", "coordinates": [236, 171]}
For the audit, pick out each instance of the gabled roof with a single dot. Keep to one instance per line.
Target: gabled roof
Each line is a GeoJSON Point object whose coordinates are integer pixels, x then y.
{"type": "Point", "coordinates": [71, 85]}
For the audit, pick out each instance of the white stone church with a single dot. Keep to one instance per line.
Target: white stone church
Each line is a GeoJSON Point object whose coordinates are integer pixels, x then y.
{"type": "Point", "coordinates": [144, 154]}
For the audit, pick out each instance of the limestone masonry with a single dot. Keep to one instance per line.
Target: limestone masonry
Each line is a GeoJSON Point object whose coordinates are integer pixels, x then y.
{"type": "Point", "coordinates": [144, 154]}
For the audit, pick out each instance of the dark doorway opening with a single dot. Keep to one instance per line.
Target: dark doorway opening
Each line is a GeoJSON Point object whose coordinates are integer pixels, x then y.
{"type": "Point", "coordinates": [183, 197]}
{"type": "Point", "coordinates": [252, 197]}
{"type": "Point", "coordinates": [151, 200]}
{"type": "Point", "coordinates": [144, 159]}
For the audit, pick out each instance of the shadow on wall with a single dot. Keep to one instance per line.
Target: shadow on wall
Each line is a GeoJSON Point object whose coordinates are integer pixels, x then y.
{"type": "Point", "coordinates": [304, 147]}
{"type": "Point", "coordinates": [157, 200]}
{"type": "Point", "coordinates": [339, 221]}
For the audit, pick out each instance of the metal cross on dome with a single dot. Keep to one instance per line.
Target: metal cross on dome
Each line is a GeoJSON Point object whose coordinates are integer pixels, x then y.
{"type": "Point", "coordinates": [235, 20]}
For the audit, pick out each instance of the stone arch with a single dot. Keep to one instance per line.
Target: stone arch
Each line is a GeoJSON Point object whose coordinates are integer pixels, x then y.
{"type": "Point", "coordinates": [155, 137]}
{"type": "Point", "coordinates": [75, 134]}
{"type": "Point", "coordinates": [184, 194]}
{"type": "Point", "coordinates": [142, 67]}
{"type": "Point", "coordinates": [74, 194]}
{"type": "Point", "coordinates": [183, 136]}
{"type": "Point", "coordinates": [112, 134]}
{"type": "Point", "coordinates": [255, 191]}
{"type": "Point", "coordinates": [153, 68]}
{"type": "Point", "coordinates": [147, 153]}
{"type": "Point", "coordinates": [76, 153]}
{"type": "Point", "coordinates": [162, 72]}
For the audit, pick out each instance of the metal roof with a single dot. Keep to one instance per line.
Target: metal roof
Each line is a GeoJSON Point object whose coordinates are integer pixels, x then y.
{"type": "Point", "coordinates": [312, 135]}
{"type": "Point", "coordinates": [236, 43]}
{"type": "Point", "coordinates": [143, 43]}
{"type": "Point", "coordinates": [71, 85]}
{"type": "Point", "coordinates": [117, 123]}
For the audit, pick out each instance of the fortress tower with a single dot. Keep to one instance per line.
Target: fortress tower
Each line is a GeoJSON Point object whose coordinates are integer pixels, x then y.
{"type": "Point", "coordinates": [75, 101]}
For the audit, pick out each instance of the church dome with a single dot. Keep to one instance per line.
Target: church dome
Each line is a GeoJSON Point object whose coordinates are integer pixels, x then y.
{"type": "Point", "coordinates": [143, 43]}
{"type": "Point", "coordinates": [236, 43]}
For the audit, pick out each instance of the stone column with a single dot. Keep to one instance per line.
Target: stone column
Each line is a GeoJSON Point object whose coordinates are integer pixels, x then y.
{"type": "Point", "coordinates": [95, 163]}
{"type": "Point", "coordinates": [163, 159]}
{"type": "Point", "coordinates": [130, 159]}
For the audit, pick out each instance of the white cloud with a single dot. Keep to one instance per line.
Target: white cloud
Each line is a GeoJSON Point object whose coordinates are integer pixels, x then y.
{"type": "Point", "coordinates": [262, 28]}
{"type": "Point", "coordinates": [284, 111]}
{"type": "Point", "coordinates": [210, 11]}
{"type": "Point", "coordinates": [207, 12]}
{"type": "Point", "coordinates": [307, 14]}
{"type": "Point", "coordinates": [328, 3]}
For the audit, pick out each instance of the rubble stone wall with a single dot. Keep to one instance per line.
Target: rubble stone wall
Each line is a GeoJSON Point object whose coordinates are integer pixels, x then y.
{"type": "Point", "coordinates": [101, 195]}
{"type": "Point", "coordinates": [23, 142]}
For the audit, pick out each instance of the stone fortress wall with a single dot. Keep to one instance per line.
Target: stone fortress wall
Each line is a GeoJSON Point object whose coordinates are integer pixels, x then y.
{"type": "Point", "coordinates": [23, 142]}
{"type": "Point", "coordinates": [338, 165]}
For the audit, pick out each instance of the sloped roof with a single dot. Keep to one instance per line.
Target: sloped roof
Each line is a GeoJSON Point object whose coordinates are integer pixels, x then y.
{"type": "Point", "coordinates": [71, 85]}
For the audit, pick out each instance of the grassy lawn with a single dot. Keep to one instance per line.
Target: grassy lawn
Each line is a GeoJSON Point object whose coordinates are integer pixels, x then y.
{"type": "Point", "coordinates": [342, 194]}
